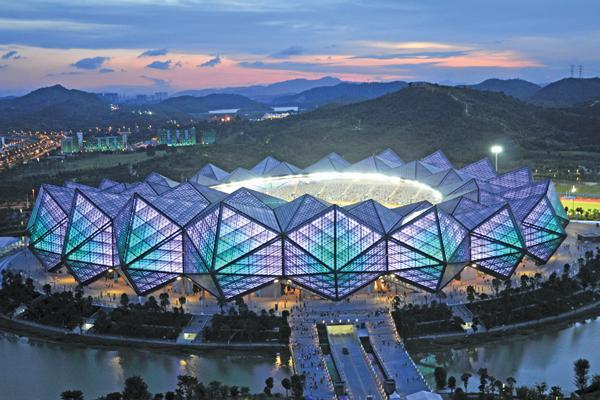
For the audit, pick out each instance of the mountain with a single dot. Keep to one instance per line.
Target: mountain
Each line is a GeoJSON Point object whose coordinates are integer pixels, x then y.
{"type": "Point", "coordinates": [461, 121]}
{"type": "Point", "coordinates": [518, 88]}
{"type": "Point", "coordinates": [343, 93]}
{"type": "Point", "coordinates": [568, 92]}
{"type": "Point", "coordinates": [57, 107]}
{"type": "Point", "coordinates": [266, 92]}
{"type": "Point", "coordinates": [192, 104]}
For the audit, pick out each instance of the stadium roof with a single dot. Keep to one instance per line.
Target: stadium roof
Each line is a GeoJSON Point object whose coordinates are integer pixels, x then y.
{"type": "Point", "coordinates": [232, 244]}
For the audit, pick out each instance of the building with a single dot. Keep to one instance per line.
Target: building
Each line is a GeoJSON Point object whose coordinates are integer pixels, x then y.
{"type": "Point", "coordinates": [177, 137]}
{"type": "Point", "coordinates": [231, 244]}
{"type": "Point", "coordinates": [93, 143]}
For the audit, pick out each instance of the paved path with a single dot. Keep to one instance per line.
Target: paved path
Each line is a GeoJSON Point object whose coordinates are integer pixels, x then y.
{"type": "Point", "coordinates": [308, 358]}
{"type": "Point", "coordinates": [398, 365]}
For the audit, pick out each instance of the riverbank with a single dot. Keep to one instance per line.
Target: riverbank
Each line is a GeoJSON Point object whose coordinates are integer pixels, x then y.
{"type": "Point", "coordinates": [515, 331]}
{"type": "Point", "coordinates": [43, 332]}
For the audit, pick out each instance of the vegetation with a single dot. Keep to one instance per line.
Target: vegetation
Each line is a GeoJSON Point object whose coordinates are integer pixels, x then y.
{"type": "Point", "coordinates": [151, 320]}
{"type": "Point", "coordinates": [536, 299]}
{"type": "Point", "coordinates": [242, 325]}
{"type": "Point", "coordinates": [490, 388]}
{"type": "Point", "coordinates": [189, 388]}
{"type": "Point", "coordinates": [15, 292]}
{"type": "Point", "coordinates": [63, 310]}
{"type": "Point", "coordinates": [428, 319]}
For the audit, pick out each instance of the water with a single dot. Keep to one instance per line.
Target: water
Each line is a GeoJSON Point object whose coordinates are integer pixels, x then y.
{"type": "Point", "coordinates": [547, 356]}
{"type": "Point", "coordinates": [32, 369]}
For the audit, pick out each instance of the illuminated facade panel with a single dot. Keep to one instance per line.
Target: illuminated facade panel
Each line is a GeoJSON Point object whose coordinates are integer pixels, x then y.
{"type": "Point", "coordinates": [160, 230]}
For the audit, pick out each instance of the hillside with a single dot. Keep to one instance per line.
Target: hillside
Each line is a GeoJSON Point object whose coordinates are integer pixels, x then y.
{"type": "Point", "coordinates": [343, 93]}
{"type": "Point", "coordinates": [191, 104]}
{"type": "Point", "coordinates": [57, 107]}
{"type": "Point", "coordinates": [417, 119]}
{"type": "Point", "coordinates": [266, 92]}
{"type": "Point", "coordinates": [568, 92]}
{"type": "Point", "coordinates": [518, 88]}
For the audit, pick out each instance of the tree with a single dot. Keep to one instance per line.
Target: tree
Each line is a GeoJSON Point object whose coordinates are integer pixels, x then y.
{"type": "Point", "coordinates": [483, 379]}
{"type": "Point", "coordinates": [298, 386]}
{"type": "Point", "coordinates": [470, 293]}
{"type": "Point", "coordinates": [113, 396]}
{"type": "Point", "coordinates": [268, 386]}
{"type": "Point", "coordinates": [234, 391]}
{"type": "Point", "coordinates": [151, 304]}
{"type": "Point", "coordinates": [72, 395]}
{"type": "Point", "coordinates": [556, 393]}
{"type": "Point", "coordinates": [287, 385]}
{"type": "Point", "coordinates": [164, 300]}
{"type": "Point", "coordinates": [496, 285]}
{"type": "Point", "coordinates": [244, 391]}
{"type": "Point", "coordinates": [510, 384]}
{"type": "Point", "coordinates": [581, 369]}
{"type": "Point", "coordinates": [47, 288]}
{"type": "Point", "coordinates": [541, 389]}
{"type": "Point", "coordinates": [124, 300]}
{"type": "Point", "coordinates": [465, 380]}
{"type": "Point", "coordinates": [186, 387]}
{"type": "Point", "coordinates": [459, 395]}
{"type": "Point", "coordinates": [452, 383]}
{"type": "Point", "coordinates": [440, 377]}
{"type": "Point", "coordinates": [136, 389]}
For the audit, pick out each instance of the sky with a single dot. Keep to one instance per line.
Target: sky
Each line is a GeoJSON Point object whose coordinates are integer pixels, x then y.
{"type": "Point", "coordinates": [144, 46]}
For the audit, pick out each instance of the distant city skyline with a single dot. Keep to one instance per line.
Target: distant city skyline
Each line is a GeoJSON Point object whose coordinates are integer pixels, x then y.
{"type": "Point", "coordinates": [145, 46]}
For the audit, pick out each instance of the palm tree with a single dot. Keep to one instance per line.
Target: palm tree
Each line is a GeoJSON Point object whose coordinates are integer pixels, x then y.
{"type": "Point", "coordinates": [287, 385]}
{"type": "Point", "coordinates": [164, 300]}
{"type": "Point", "coordinates": [581, 368]}
{"type": "Point", "coordinates": [452, 383]}
{"type": "Point", "coordinates": [465, 380]}
{"type": "Point", "coordinates": [556, 393]}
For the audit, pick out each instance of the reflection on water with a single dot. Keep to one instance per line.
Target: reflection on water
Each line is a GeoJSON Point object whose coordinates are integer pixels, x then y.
{"type": "Point", "coordinates": [547, 356]}
{"type": "Point", "coordinates": [97, 371]}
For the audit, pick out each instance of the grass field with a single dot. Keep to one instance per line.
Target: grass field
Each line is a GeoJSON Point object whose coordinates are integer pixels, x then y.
{"type": "Point", "coordinates": [587, 204]}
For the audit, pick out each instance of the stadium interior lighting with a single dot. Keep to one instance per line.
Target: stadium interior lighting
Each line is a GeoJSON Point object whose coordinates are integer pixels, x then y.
{"type": "Point", "coordinates": [496, 149]}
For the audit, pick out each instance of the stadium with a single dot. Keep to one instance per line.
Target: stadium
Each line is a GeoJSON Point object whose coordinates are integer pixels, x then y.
{"type": "Point", "coordinates": [331, 228]}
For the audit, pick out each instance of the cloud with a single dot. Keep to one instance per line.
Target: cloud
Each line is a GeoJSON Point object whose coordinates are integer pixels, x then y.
{"type": "Point", "coordinates": [289, 52]}
{"type": "Point", "coordinates": [90, 63]}
{"type": "Point", "coordinates": [106, 70]}
{"type": "Point", "coordinates": [154, 53]}
{"type": "Point", "coordinates": [161, 65]}
{"type": "Point", "coordinates": [11, 55]}
{"type": "Point", "coordinates": [157, 82]}
{"type": "Point", "coordinates": [422, 55]}
{"type": "Point", "coordinates": [213, 62]}
{"type": "Point", "coordinates": [67, 73]}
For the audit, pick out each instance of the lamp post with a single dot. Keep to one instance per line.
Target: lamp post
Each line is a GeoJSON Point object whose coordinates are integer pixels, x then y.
{"type": "Point", "coordinates": [573, 190]}
{"type": "Point", "coordinates": [496, 149]}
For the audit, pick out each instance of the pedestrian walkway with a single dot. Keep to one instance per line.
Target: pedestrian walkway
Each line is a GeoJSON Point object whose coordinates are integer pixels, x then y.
{"type": "Point", "coordinates": [308, 358]}
{"type": "Point", "coordinates": [396, 362]}
{"type": "Point", "coordinates": [193, 332]}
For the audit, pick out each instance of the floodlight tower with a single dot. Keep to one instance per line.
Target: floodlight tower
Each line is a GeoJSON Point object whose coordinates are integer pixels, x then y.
{"type": "Point", "coordinates": [496, 149]}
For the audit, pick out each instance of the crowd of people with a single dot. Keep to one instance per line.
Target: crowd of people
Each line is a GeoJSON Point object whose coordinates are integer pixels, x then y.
{"type": "Point", "coordinates": [308, 357]}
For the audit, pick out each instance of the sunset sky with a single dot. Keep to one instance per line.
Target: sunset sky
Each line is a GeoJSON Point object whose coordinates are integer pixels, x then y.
{"type": "Point", "coordinates": [142, 46]}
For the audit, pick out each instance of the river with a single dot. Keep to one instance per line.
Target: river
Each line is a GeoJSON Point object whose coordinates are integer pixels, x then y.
{"type": "Point", "coordinates": [33, 369]}
{"type": "Point", "coordinates": [547, 356]}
